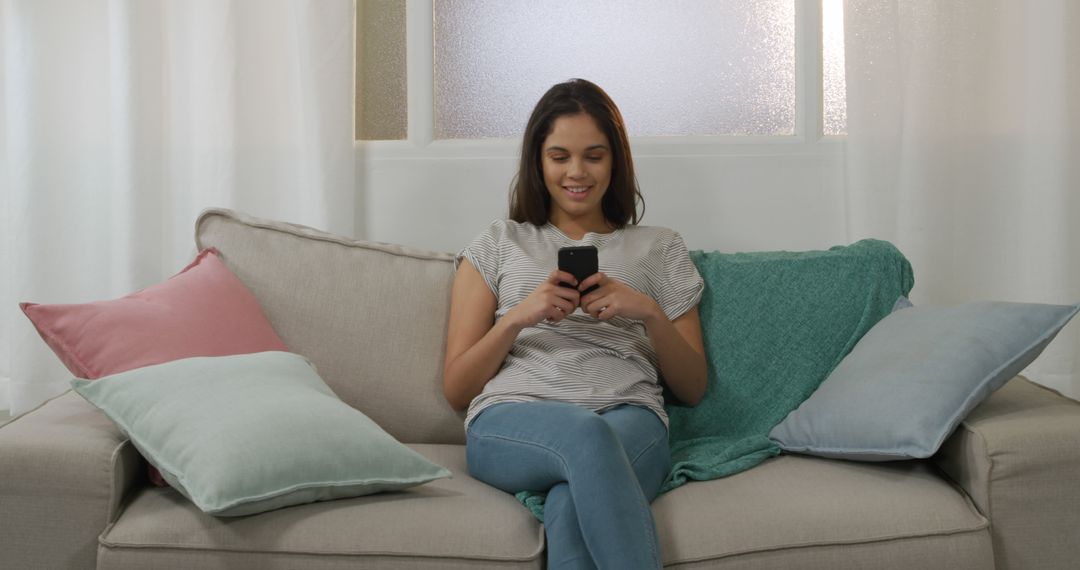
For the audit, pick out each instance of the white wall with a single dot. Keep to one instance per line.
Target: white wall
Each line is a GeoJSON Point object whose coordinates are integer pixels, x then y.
{"type": "Point", "coordinates": [728, 197]}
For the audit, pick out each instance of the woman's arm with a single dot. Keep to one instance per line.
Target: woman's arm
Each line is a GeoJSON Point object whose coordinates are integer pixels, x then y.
{"type": "Point", "coordinates": [677, 343]}
{"type": "Point", "coordinates": [681, 352]}
{"type": "Point", "coordinates": [476, 344]}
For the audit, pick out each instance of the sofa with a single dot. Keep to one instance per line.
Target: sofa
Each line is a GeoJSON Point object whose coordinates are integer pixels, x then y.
{"type": "Point", "coordinates": [1002, 492]}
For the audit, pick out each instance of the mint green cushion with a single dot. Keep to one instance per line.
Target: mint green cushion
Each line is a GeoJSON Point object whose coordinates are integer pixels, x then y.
{"type": "Point", "coordinates": [239, 435]}
{"type": "Point", "coordinates": [915, 376]}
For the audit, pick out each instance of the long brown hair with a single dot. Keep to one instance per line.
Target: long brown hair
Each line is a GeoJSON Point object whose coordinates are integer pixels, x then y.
{"type": "Point", "coordinates": [529, 198]}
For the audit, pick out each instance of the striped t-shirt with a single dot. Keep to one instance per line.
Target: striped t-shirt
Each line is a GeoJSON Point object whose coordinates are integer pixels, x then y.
{"type": "Point", "coordinates": [580, 359]}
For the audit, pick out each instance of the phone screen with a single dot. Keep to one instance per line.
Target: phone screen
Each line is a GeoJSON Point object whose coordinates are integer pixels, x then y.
{"type": "Point", "coordinates": [579, 261]}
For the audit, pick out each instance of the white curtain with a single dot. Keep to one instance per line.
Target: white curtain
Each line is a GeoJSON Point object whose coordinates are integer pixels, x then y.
{"type": "Point", "coordinates": [121, 120]}
{"type": "Point", "coordinates": [963, 149]}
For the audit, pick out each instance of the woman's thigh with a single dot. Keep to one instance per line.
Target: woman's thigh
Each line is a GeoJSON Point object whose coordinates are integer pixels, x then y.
{"type": "Point", "coordinates": [644, 438]}
{"type": "Point", "coordinates": [530, 446]}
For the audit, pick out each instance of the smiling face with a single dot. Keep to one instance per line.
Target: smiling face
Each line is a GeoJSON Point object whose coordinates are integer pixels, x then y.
{"type": "Point", "coordinates": [576, 160]}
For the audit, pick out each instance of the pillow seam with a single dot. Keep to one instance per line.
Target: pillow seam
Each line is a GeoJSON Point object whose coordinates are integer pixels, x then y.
{"type": "Point", "coordinates": [74, 355]}
{"type": "Point", "coordinates": [411, 481]}
{"type": "Point", "coordinates": [358, 244]}
{"type": "Point", "coordinates": [1047, 336]}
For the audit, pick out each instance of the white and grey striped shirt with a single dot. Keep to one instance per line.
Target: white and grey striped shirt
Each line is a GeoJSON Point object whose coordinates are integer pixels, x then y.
{"type": "Point", "coordinates": [582, 360]}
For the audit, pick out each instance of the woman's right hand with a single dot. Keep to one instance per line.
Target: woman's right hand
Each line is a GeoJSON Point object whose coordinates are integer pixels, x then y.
{"type": "Point", "coordinates": [549, 301]}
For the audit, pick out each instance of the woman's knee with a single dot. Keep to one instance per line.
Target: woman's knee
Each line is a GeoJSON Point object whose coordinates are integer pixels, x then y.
{"type": "Point", "coordinates": [591, 437]}
{"type": "Point", "coordinates": [652, 466]}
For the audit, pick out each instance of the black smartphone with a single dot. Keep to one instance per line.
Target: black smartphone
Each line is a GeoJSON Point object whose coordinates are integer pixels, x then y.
{"type": "Point", "coordinates": [581, 262]}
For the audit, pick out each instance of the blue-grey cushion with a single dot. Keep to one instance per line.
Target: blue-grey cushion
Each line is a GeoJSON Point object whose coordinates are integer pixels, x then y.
{"type": "Point", "coordinates": [244, 434]}
{"type": "Point", "coordinates": [915, 375]}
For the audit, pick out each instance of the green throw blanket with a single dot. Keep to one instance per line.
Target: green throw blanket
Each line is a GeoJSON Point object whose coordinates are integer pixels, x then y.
{"type": "Point", "coordinates": [775, 324]}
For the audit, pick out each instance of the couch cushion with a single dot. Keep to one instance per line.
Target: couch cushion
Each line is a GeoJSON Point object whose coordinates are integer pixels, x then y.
{"type": "Point", "coordinates": [371, 317]}
{"type": "Point", "coordinates": [202, 311]}
{"type": "Point", "coordinates": [915, 376]}
{"type": "Point", "coordinates": [449, 523]}
{"type": "Point", "coordinates": [244, 434]}
{"type": "Point", "coordinates": [807, 513]}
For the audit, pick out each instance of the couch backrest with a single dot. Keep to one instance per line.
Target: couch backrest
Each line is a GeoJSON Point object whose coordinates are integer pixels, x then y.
{"type": "Point", "coordinates": [371, 316]}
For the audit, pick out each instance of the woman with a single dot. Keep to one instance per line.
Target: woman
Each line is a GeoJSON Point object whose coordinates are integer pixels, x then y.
{"type": "Point", "coordinates": [563, 389]}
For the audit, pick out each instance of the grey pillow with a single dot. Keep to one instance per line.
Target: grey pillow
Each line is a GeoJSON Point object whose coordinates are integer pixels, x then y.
{"type": "Point", "coordinates": [239, 435]}
{"type": "Point", "coordinates": [915, 375]}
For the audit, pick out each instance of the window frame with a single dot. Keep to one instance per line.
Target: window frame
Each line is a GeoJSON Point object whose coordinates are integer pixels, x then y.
{"type": "Point", "coordinates": [808, 139]}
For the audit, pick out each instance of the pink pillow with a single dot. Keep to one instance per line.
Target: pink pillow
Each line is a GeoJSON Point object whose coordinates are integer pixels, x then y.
{"type": "Point", "coordinates": [202, 311]}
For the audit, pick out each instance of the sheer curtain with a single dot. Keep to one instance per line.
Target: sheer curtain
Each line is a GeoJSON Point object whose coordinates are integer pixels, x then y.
{"type": "Point", "coordinates": [121, 120]}
{"type": "Point", "coordinates": [963, 148]}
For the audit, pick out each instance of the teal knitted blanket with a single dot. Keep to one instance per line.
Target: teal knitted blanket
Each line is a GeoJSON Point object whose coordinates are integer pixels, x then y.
{"type": "Point", "coordinates": [774, 325]}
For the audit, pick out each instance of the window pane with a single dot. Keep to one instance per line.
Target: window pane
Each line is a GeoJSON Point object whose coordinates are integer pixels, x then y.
{"type": "Point", "coordinates": [674, 67]}
{"type": "Point", "coordinates": [381, 88]}
{"type": "Point", "coordinates": [832, 32]}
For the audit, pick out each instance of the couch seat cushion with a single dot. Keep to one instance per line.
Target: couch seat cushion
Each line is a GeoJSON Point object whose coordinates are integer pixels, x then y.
{"type": "Point", "coordinates": [807, 512]}
{"type": "Point", "coordinates": [449, 523]}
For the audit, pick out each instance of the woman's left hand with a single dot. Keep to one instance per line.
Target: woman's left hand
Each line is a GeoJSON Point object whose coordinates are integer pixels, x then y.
{"type": "Point", "coordinates": [613, 298]}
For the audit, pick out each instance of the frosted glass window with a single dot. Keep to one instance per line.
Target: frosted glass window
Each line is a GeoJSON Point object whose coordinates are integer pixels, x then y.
{"type": "Point", "coordinates": [833, 83]}
{"type": "Point", "coordinates": [674, 67]}
{"type": "Point", "coordinates": [381, 87]}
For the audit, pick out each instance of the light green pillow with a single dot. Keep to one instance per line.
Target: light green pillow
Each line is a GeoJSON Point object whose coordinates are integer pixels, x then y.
{"type": "Point", "coordinates": [915, 376]}
{"type": "Point", "coordinates": [239, 435]}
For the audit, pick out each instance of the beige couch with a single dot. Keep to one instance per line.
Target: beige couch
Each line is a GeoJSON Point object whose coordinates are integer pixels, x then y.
{"type": "Point", "coordinates": [1004, 492]}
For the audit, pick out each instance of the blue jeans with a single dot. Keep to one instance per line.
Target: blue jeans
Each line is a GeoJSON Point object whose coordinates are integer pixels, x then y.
{"type": "Point", "coordinates": [600, 471]}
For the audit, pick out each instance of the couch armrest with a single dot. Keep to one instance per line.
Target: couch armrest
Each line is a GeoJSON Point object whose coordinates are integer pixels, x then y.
{"type": "Point", "coordinates": [1017, 455]}
{"type": "Point", "coordinates": [64, 468]}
